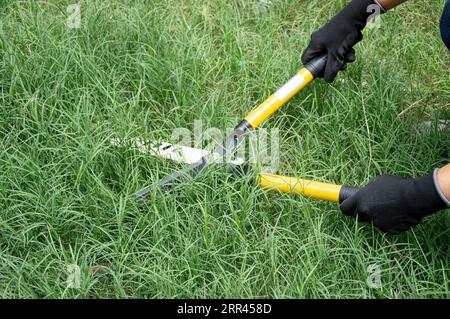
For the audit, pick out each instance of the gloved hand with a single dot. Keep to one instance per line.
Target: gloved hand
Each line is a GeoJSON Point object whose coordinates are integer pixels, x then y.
{"type": "Point", "coordinates": [337, 37]}
{"type": "Point", "coordinates": [394, 204]}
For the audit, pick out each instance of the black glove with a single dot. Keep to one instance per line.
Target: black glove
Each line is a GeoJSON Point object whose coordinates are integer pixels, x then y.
{"type": "Point", "coordinates": [394, 204]}
{"type": "Point", "coordinates": [338, 36]}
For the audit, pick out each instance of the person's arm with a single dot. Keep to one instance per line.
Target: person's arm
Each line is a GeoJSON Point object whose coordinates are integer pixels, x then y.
{"type": "Point", "coordinates": [338, 36]}
{"type": "Point", "coordinates": [443, 180]}
{"type": "Point", "coordinates": [395, 204]}
{"type": "Point", "coordinates": [389, 4]}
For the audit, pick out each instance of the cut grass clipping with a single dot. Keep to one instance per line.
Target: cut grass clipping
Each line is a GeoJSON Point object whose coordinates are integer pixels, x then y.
{"type": "Point", "coordinates": [139, 69]}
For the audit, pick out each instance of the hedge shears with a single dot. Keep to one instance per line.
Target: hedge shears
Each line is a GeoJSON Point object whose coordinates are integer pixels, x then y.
{"type": "Point", "coordinates": [198, 159]}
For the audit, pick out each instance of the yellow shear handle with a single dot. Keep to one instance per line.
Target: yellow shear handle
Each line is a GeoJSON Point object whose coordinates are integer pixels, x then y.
{"type": "Point", "coordinates": [279, 98]}
{"type": "Point", "coordinates": [317, 190]}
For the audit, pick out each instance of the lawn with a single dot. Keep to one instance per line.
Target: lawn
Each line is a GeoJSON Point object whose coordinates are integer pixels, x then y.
{"type": "Point", "coordinates": [143, 68]}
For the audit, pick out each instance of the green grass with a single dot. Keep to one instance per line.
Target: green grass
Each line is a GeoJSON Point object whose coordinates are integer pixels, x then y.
{"type": "Point", "coordinates": [143, 68]}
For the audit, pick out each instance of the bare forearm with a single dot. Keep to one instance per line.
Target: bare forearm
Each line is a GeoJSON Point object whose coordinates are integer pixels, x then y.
{"type": "Point", "coordinates": [389, 4]}
{"type": "Point", "coordinates": [443, 177]}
